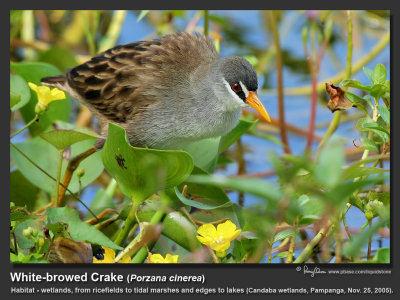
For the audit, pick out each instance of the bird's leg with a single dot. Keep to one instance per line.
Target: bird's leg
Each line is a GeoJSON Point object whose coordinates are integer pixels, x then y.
{"type": "Point", "coordinates": [72, 166]}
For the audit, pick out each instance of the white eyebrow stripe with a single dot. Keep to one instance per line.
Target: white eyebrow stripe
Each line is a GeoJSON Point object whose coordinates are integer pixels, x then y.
{"type": "Point", "coordinates": [245, 90]}
{"type": "Point", "coordinates": [234, 95]}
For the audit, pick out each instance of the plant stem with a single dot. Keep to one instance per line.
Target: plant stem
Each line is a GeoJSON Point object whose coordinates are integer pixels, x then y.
{"type": "Point", "coordinates": [113, 30]}
{"type": "Point", "coordinates": [142, 253]}
{"type": "Point", "coordinates": [60, 160]}
{"type": "Point", "coordinates": [289, 258]}
{"type": "Point", "coordinates": [126, 227]}
{"type": "Point", "coordinates": [206, 17]}
{"type": "Point", "coordinates": [279, 67]}
{"type": "Point", "coordinates": [28, 32]}
{"type": "Point", "coordinates": [89, 35]}
{"type": "Point", "coordinates": [26, 126]}
{"type": "Point", "coordinates": [308, 250]}
{"type": "Point", "coordinates": [349, 44]}
{"type": "Point", "coordinates": [336, 117]}
{"type": "Point", "coordinates": [48, 175]}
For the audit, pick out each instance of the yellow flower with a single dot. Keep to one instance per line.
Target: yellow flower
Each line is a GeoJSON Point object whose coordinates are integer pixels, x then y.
{"type": "Point", "coordinates": [109, 256]}
{"type": "Point", "coordinates": [45, 96]}
{"type": "Point", "coordinates": [218, 239]}
{"type": "Point", "coordinates": [169, 259]}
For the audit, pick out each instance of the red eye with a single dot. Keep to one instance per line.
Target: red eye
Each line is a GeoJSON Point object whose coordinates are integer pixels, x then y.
{"type": "Point", "coordinates": [236, 87]}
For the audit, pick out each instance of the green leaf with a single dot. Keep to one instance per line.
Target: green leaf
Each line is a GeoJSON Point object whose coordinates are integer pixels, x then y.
{"type": "Point", "coordinates": [59, 56]}
{"type": "Point", "coordinates": [201, 203]}
{"type": "Point", "coordinates": [328, 169]}
{"type": "Point", "coordinates": [142, 172]}
{"type": "Point", "coordinates": [385, 114]}
{"type": "Point", "coordinates": [34, 149]}
{"type": "Point", "coordinates": [175, 226]}
{"type": "Point", "coordinates": [142, 14]}
{"type": "Point", "coordinates": [360, 123]}
{"type": "Point", "coordinates": [282, 235]}
{"type": "Point", "coordinates": [368, 73]}
{"type": "Point", "coordinates": [103, 199]}
{"type": "Point", "coordinates": [253, 186]}
{"type": "Point", "coordinates": [61, 139]}
{"type": "Point", "coordinates": [205, 153]}
{"type": "Point", "coordinates": [379, 74]}
{"type": "Point", "coordinates": [23, 192]}
{"type": "Point", "coordinates": [14, 99]}
{"type": "Point", "coordinates": [368, 144]}
{"type": "Point", "coordinates": [355, 171]}
{"type": "Point", "coordinates": [231, 137]}
{"type": "Point", "coordinates": [382, 256]}
{"type": "Point", "coordinates": [210, 195]}
{"type": "Point", "coordinates": [369, 100]}
{"type": "Point", "coordinates": [376, 126]}
{"type": "Point", "coordinates": [79, 230]}
{"type": "Point", "coordinates": [19, 92]}
{"type": "Point", "coordinates": [356, 101]}
{"type": "Point", "coordinates": [283, 254]}
{"type": "Point", "coordinates": [355, 84]}
{"type": "Point", "coordinates": [58, 110]}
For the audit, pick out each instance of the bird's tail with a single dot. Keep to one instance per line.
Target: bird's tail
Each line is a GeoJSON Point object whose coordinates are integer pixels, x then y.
{"type": "Point", "coordinates": [59, 82]}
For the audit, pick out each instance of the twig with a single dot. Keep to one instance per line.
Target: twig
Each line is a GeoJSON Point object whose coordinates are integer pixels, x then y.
{"type": "Point", "coordinates": [308, 250]}
{"type": "Point", "coordinates": [279, 66]}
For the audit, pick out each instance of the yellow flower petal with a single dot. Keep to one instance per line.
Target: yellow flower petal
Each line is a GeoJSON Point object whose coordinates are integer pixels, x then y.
{"type": "Point", "coordinates": [205, 240]}
{"type": "Point", "coordinates": [219, 247]}
{"type": "Point", "coordinates": [45, 94]}
{"type": "Point", "coordinates": [228, 230]}
{"type": "Point", "coordinates": [109, 255]}
{"type": "Point", "coordinates": [171, 259]}
{"type": "Point", "coordinates": [207, 230]}
{"type": "Point", "coordinates": [159, 259]}
{"type": "Point", "coordinates": [156, 259]}
{"type": "Point", "coordinates": [56, 94]}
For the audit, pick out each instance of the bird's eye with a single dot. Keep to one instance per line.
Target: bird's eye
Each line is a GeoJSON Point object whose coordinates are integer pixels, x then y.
{"type": "Point", "coordinates": [236, 87]}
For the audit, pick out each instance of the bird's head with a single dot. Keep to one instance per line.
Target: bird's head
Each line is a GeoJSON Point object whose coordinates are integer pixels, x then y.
{"type": "Point", "coordinates": [240, 83]}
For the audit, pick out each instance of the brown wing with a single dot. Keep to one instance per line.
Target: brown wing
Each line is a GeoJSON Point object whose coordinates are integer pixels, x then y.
{"type": "Point", "coordinates": [124, 80]}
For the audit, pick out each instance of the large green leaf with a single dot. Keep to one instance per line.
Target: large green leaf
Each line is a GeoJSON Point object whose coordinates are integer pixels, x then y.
{"type": "Point", "coordinates": [207, 196]}
{"type": "Point", "coordinates": [46, 156]}
{"type": "Point", "coordinates": [328, 170]}
{"type": "Point", "coordinates": [205, 153]}
{"type": "Point", "coordinates": [142, 172]}
{"type": "Point", "coordinates": [360, 171]}
{"type": "Point", "coordinates": [58, 110]}
{"type": "Point", "coordinates": [79, 230]}
{"type": "Point", "coordinates": [52, 56]}
{"type": "Point", "coordinates": [19, 87]}
{"type": "Point", "coordinates": [253, 186]}
{"type": "Point", "coordinates": [175, 225]}
{"type": "Point", "coordinates": [61, 139]}
{"type": "Point", "coordinates": [234, 134]}
{"type": "Point", "coordinates": [201, 203]}
{"type": "Point", "coordinates": [23, 192]}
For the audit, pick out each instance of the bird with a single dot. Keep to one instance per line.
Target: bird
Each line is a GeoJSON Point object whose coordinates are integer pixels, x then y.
{"type": "Point", "coordinates": [167, 92]}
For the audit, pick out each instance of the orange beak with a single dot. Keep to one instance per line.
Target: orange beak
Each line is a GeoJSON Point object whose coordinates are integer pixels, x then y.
{"type": "Point", "coordinates": [255, 102]}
